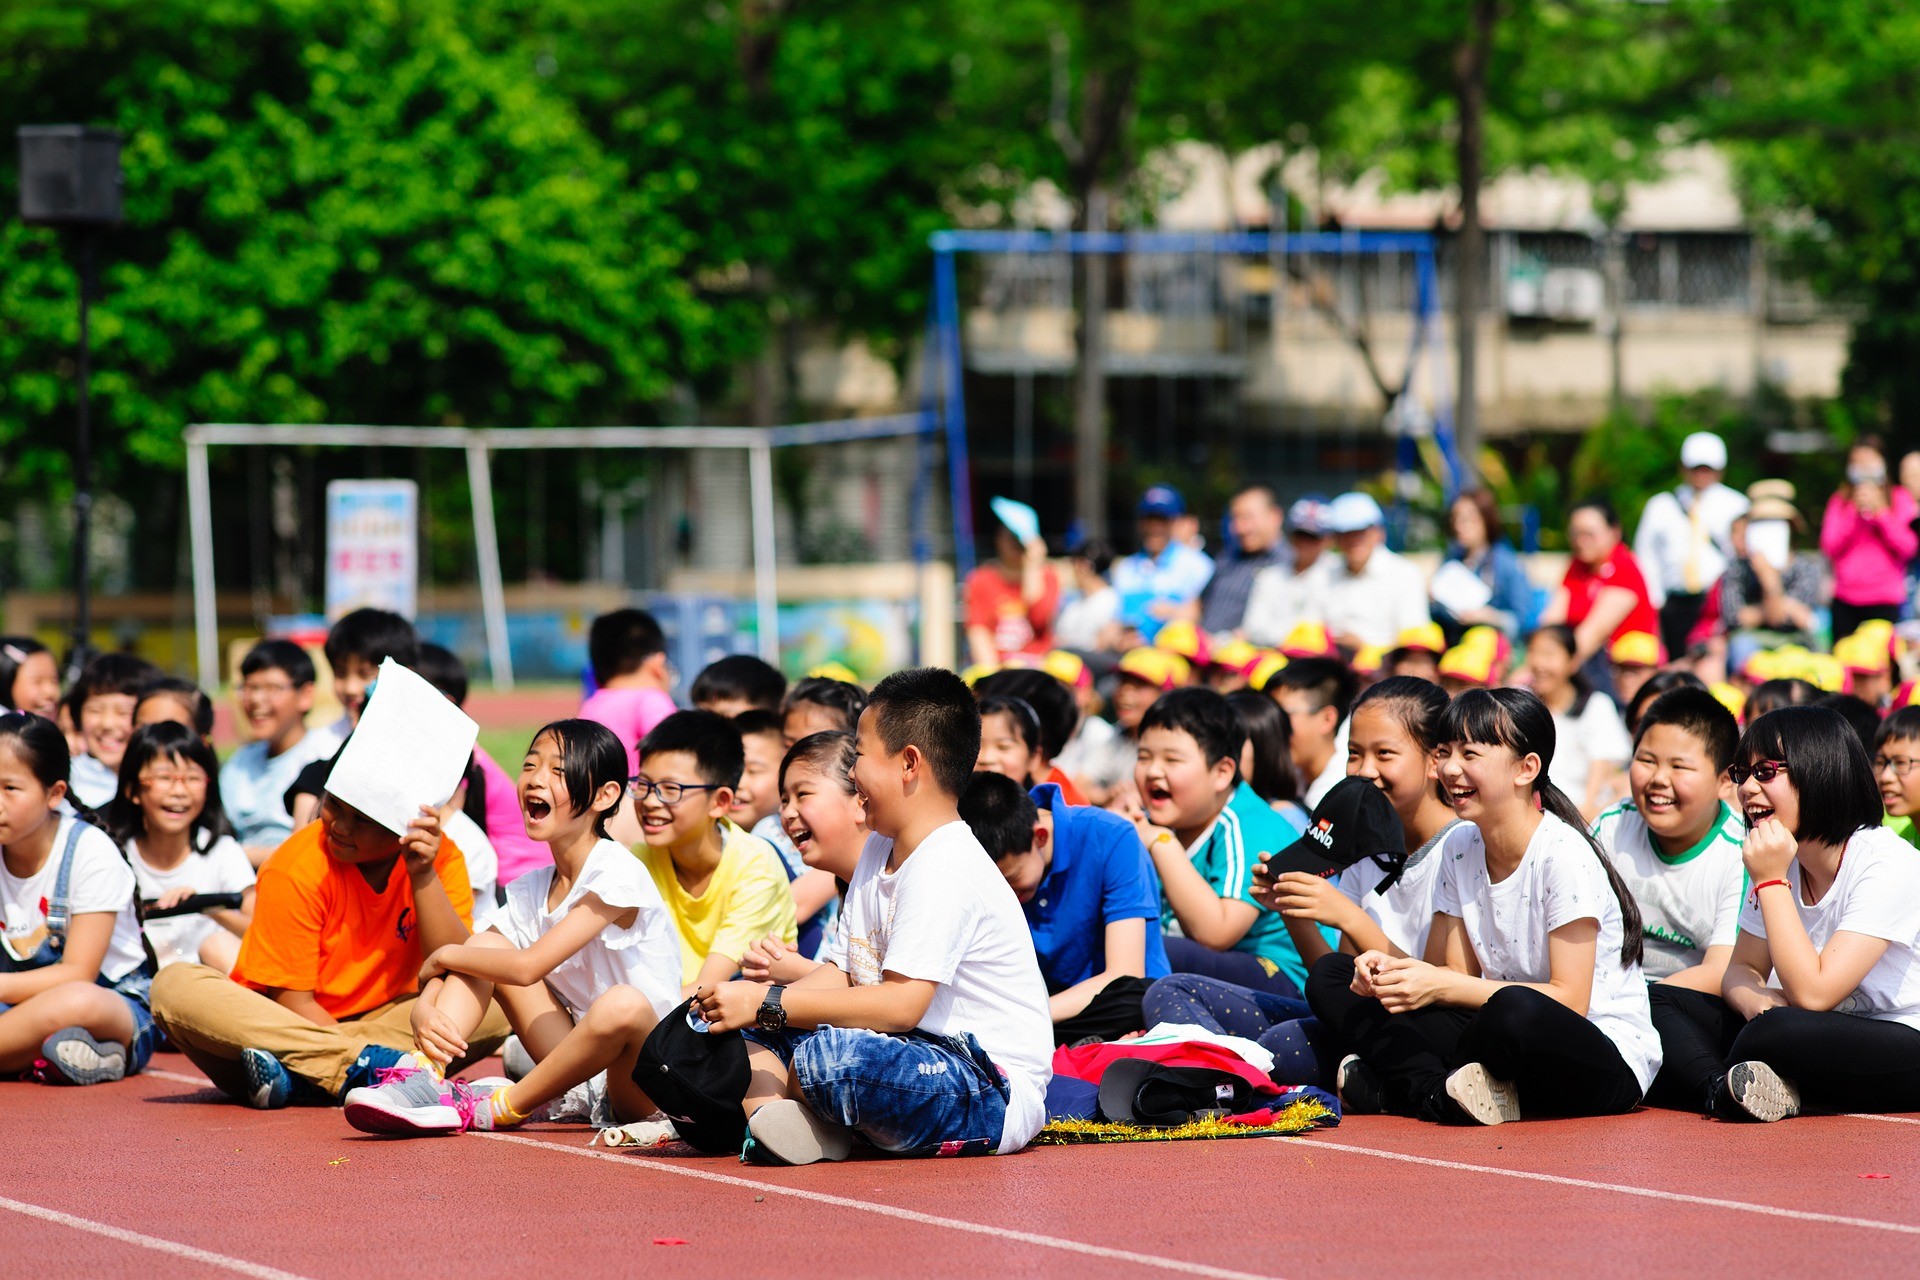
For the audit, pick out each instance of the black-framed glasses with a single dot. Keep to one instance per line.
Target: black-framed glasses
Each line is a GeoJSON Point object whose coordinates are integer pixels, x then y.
{"type": "Point", "coordinates": [1764, 772]}
{"type": "Point", "coordinates": [669, 793]}
{"type": "Point", "coordinates": [1901, 765]}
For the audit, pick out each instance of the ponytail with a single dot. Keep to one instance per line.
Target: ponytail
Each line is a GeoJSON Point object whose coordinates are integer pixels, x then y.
{"type": "Point", "coordinates": [1558, 803]}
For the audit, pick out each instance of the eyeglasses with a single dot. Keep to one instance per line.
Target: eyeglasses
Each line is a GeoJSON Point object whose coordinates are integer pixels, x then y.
{"type": "Point", "coordinates": [264, 690]}
{"type": "Point", "coordinates": [669, 793]}
{"type": "Point", "coordinates": [191, 779]}
{"type": "Point", "coordinates": [1901, 765]}
{"type": "Point", "coordinates": [1764, 772]}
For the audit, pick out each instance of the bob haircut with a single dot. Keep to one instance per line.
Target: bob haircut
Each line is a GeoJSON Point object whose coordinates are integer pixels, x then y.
{"type": "Point", "coordinates": [1271, 734]}
{"type": "Point", "coordinates": [590, 757]}
{"type": "Point", "coordinates": [1827, 766]}
{"type": "Point", "coordinates": [166, 740]}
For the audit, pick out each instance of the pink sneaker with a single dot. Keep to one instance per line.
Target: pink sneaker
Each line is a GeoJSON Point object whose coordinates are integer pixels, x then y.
{"type": "Point", "coordinates": [410, 1102]}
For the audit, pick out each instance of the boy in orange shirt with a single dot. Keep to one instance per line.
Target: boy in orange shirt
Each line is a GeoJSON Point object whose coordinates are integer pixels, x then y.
{"type": "Point", "coordinates": [328, 972]}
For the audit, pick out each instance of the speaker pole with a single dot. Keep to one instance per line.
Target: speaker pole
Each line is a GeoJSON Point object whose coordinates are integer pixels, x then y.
{"type": "Point", "coordinates": [83, 470]}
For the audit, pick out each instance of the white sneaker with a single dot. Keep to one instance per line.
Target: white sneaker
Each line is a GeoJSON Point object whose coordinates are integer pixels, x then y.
{"type": "Point", "coordinates": [1484, 1099]}
{"type": "Point", "coordinates": [1762, 1092]}
{"type": "Point", "coordinates": [790, 1133]}
{"type": "Point", "coordinates": [515, 1058]}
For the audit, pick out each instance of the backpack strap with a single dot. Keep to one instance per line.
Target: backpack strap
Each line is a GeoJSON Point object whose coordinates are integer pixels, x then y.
{"type": "Point", "coordinates": [58, 912]}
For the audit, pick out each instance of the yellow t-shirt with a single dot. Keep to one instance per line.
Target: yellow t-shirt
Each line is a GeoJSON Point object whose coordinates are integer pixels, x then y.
{"type": "Point", "coordinates": [747, 899]}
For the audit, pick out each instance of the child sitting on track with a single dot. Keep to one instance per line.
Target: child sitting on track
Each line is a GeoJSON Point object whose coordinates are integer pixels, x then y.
{"type": "Point", "coordinates": [168, 818]}
{"type": "Point", "coordinates": [103, 700]}
{"type": "Point", "coordinates": [826, 821]}
{"type": "Point", "coordinates": [1832, 916]}
{"type": "Point", "coordinates": [73, 967]}
{"type": "Point", "coordinates": [926, 1030]}
{"type": "Point", "coordinates": [757, 806]}
{"type": "Point", "coordinates": [583, 960]}
{"type": "Point", "coordinates": [356, 646]}
{"type": "Point", "coordinates": [276, 694]}
{"type": "Point", "coordinates": [1531, 996]}
{"type": "Point", "coordinates": [1896, 769]}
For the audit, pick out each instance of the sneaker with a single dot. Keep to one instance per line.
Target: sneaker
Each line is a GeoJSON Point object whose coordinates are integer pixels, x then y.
{"type": "Point", "coordinates": [515, 1058]}
{"type": "Point", "coordinates": [269, 1085]}
{"type": "Point", "coordinates": [374, 1059]}
{"type": "Point", "coordinates": [1484, 1099]}
{"type": "Point", "coordinates": [1358, 1088]}
{"type": "Point", "coordinates": [412, 1102]}
{"type": "Point", "coordinates": [1761, 1092]}
{"type": "Point", "coordinates": [785, 1132]}
{"type": "Point", "coordinates": [75, 1057]}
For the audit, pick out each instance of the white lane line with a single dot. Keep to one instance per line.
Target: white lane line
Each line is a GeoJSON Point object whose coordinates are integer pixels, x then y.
{"type": "Point", "coordinates": [1645, 1193]}
{"type": "Point", "coordinates": [889, 1211]}
{"type": "Point", "coordinates": [1863, 1115]}
{"type": "Point", "coordinates": [174, 1248]}
{"type": "Point", "coordinates": [202, 1081]}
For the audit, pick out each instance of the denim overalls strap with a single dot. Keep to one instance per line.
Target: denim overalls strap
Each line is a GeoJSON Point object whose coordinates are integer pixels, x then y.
{"type": "Point", "coordinates": [58, 907]}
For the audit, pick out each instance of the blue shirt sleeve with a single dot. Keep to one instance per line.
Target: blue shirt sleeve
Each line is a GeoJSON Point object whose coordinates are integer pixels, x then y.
{"type": "Point", "coordinates": [1130, 890]}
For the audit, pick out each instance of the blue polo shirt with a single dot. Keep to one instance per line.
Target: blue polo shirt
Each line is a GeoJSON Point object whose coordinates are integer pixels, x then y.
{"type": "Point", "coordinates": [1100, 873]}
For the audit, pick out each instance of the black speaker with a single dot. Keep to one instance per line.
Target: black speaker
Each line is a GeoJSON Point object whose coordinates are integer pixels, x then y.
{"type": "Point", "coordinates": [69, 175]}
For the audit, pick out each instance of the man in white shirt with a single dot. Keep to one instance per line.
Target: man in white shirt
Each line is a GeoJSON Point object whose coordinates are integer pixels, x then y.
{"type": "Point", "coordinates": [1369, 595]}
{"type": "Point", "coordinates": [1685, 539]}
{"type": "Point", "coordinates": [1280, 593]}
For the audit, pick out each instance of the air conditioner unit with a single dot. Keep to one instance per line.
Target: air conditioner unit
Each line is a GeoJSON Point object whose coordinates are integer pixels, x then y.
{"type": "Point", "coordinates": [1573, 294]}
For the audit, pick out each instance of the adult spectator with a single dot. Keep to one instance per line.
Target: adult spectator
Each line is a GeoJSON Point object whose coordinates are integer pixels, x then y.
{"type": "Point", "coordinates": [1603, 595]}
{"type": "Point", "coordinates": [1280, 593]}
{"type": "Point", "coordinates": [1769, 592]}
{"type": "Point", "coordinates": [1254, 516]}
{"type": "Point", "coordinates": [1164, 575]}
{"type": "Point", "coordinates": [1480, 547]}
{"type": "Point", "coordinates": [1370, 595]}
{"type": "Point", "coordinates": [1011, 599]}
{"type": "Point", "coordinates": [1090, 612]}
{"type": "Point", "coordinates": [1686, 537]}
{"type": "Point", "coordinates": [1868, 536]}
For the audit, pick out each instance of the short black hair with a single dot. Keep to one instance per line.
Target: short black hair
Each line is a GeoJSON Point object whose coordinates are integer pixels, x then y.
{"type": "Point", "coordinates": [618, 642]}
{"type": "Point", "coordinates": [740, 677]}
{"type": "Point", "coordinates": [1857, 712]}
{"type": "Point", "coordinates": [375, 635]}
{"type": "Point", "coordinates": [199, 705]}
{"type": "Point", "coordinates": [759, 720]}
{"type": "Point", "coordinates": [1903, 724]}
{"type": "Point", "coordinates": [1696, 712]}
{"type": "Point", "coordinates": [1771, 695]}
{"type": "Point", "coordinates": [1001, 814]}
{"type": "Point", "coordinates": [848, 700]}
{"type": "Point", "coordinates": [112, 673]}
{"type": "Point", "coordinates": [710, 738]}
{"type": "Point", "coordinates": [441, 668]}
{"type": "Point", "coordinates": [932, 709]}
{"type": "Point", "coordinates": [1271, 734]}
{"type": "Point", "coordinates": [1827, 766]}
{"type": "Point", "coordinates": [1330, 681]}
{"type": "Point", "coordinates": [279, 655]}
{"type": "Point", "coordinates": [1203, 714]}
{"type": "Point", "coordinates": [1594, 502]}
{"type": "Point", "coordinates": [590, 757]}
{"type": "Point", "coordinates": [1097, 554]}
{"type": "Point", "coordinates": [1050, 700]}
{"type": "Point", "coordinates": [1658, 683]}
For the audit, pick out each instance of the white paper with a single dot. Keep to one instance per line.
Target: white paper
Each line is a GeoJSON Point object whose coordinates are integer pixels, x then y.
{"type": "Point", "coordinates": [1770, 540]}
{"type": "Point", "coordinates": [411, 748]}
{"type": "Point", "coordinates": [1459, 589]}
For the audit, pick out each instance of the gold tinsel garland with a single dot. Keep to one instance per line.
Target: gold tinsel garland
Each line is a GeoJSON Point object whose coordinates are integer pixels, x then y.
{"type": "Point", "coordinates": [1297, 1118]}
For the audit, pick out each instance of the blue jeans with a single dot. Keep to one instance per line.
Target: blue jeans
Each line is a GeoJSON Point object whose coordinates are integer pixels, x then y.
{"type": "Point", "coordinates": [1285, 1027]}
{"type": "Point", "coordinates": [914, 1095]}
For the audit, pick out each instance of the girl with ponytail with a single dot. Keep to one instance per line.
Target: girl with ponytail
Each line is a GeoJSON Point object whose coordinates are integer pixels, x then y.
{"type": "Point", "coordinates": [1530, 997]}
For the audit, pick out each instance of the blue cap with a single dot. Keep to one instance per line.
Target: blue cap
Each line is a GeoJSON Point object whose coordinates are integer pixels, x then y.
{"type": "Point", "coordinates": [1162, 500]}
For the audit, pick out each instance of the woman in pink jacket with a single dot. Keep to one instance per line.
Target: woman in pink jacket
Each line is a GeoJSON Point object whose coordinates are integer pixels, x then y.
{"type": "Point", "coordinates": [1868, 536]}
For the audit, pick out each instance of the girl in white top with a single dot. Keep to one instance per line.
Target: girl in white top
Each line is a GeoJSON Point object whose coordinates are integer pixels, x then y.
{"type": "Point", "coordinates": [1832, 916]}
{"type": "Point", "coordinates": [168, 817]}
{"type": "Point", "coordinates": [1531, 994]}
{"type": "Point", "coordinates": [74, 971]}
{"type": "Point", "coordinates": [583, 959]}
{"type": "Point", "coordinates": [1592, 747]}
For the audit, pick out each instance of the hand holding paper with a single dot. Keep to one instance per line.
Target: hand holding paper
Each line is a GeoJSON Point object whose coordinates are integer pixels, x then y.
{"type": "Point", "coordinates": [410, 751]}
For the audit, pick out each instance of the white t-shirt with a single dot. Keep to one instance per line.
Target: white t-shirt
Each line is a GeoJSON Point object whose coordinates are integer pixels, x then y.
{"type": "Point", "coordinates": [224, 868]}
{"type": "Point", "coordinates": [1688, 902]}
{"type": "Point", "coordinates": [1098, 754]}
{"type": "Point", "coordinates": [1333, 773]}
{"type": "Point", "coordinates": [947, 917]}
{"type": "Point", "coordinates": [1405, 911]}
{"type": "Point", "coordinates": [1877, 893]}
{"type": "Point", "coordinates": [101, 881]}
{"type": "Point", "coordinates": [1083, 618]}
{"type": "Point", "coordinates": [1559, 880]}
{"type": "Point", "coordinates": [645, 955]}
{"type": "Point", "coordinates": [1385, 599]}
{"type": "Point", "coordinates": [253, 787]}
{"type": "Point", "coordinates": [483, 864]}
{"type": "Point", "coordinates": [1597, 733]}
{"type": "Point", "coordinates": [92, 783]}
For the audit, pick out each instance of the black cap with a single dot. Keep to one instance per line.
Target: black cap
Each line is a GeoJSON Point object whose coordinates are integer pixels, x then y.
{"type": "Point", "coordinates": [1355, 820]}
{"type": "Point", "coordinates": [1155, 1096]}
{"type": "Point", "coordinates": [699, 1078]}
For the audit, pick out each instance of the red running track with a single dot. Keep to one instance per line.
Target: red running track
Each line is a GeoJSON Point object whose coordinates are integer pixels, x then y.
{"type": "Point", "coordinates": [161, 1176]}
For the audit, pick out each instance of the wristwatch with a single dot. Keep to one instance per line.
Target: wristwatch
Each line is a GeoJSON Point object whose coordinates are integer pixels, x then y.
{"type": "Point", "coordinates": [772, 1018]}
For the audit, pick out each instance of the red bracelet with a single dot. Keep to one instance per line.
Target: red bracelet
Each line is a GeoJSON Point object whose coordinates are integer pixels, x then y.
{"type": "Point", "coordinates": [1766, 884]}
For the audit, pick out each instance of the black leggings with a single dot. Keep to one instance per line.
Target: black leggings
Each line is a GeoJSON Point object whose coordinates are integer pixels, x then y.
{"type": "Point", "coordinates": [1838, 1061]}
{"type": "Point", "coordinates": [1561, 1063]}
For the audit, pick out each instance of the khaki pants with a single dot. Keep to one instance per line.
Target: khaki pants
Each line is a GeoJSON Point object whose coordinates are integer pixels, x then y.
{"type": "Point", "coordinates": [211, 1018]}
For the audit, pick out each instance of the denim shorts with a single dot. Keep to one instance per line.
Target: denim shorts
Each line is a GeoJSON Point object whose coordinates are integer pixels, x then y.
{"type": "Point", "coordinates": [914, 1095]}
{"type": "Point", "coordinates": [145, 1035]}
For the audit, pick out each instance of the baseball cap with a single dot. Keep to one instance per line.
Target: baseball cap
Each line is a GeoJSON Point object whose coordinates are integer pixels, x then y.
{"type": "Point", "coordinates": [699, 1078]}
{"type": "Point", "coordinates": [979, 671]}
{"type": "Point", "coordinates": [1161, 500]}
{"type": "Point", "coordinates": [834, 671]}
{"type": "Point", "coordinates": [1070, 669]}
{"type": "Point", "coordinates": [1824, 672]}
{"type": "Point", "coordinates": [1368, 659]}
{"type": "Point", "coordinates": [1638, 649]}
{"type": "Point", "coordinates": [1354, 820]}
{"type": "Point", "coordinates": [1270, 664]}
{"type": "Point", "coordinates": [1309, 640]}
{"type": "Point", "coordinates": [1236, 655]}
{"type": "Point", "coordinates": [1185, 639]}
{"type": "Point", "coordinates": [1156, 1096]}
{"type": "Point", "coordinates": [1732, 697]}
{"type": "Point", "coordinates": [1427, 636]}
{"type": "Point", "coordinates": [1352, 512]}
{"type": "Point", "coordinates": [1478, 658]}
{"type": "Point", "coordinates": [1703, 449]}
{"type": "Point", "coordinates": [1863, 653]}
{"type": "Point", "coordinates": [1021, 520]}
{"type": "Point", "coordinates": [1309, 516]}
{"type": "Point", "coordinates": [1156, 667]}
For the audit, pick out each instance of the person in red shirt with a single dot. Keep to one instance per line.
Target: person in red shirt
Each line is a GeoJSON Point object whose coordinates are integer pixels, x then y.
{"type": "Point", "coordinates": [1603, 595]}
{"type": "Point", "coordinates": [1012, 599]}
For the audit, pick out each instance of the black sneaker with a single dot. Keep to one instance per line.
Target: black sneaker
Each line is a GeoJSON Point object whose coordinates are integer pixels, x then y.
{"type": "Point", "coordinates": [1760, 1093]}
{"type": "Point", "coordinates": [1358, 1087]}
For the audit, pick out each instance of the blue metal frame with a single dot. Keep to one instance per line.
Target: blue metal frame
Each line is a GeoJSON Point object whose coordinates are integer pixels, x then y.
{"type": "Point", "coordinates": [945, 368]}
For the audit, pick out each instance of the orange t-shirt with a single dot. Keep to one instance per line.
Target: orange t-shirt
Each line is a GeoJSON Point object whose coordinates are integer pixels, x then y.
{"type": "Point", "coordinates": [1068, 792]}
{"type": "Point", "coordinates": [318, 926]}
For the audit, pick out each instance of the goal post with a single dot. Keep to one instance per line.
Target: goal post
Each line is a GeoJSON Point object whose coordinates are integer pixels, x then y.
{"type": "Point", "coordinates": [479, 445]}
